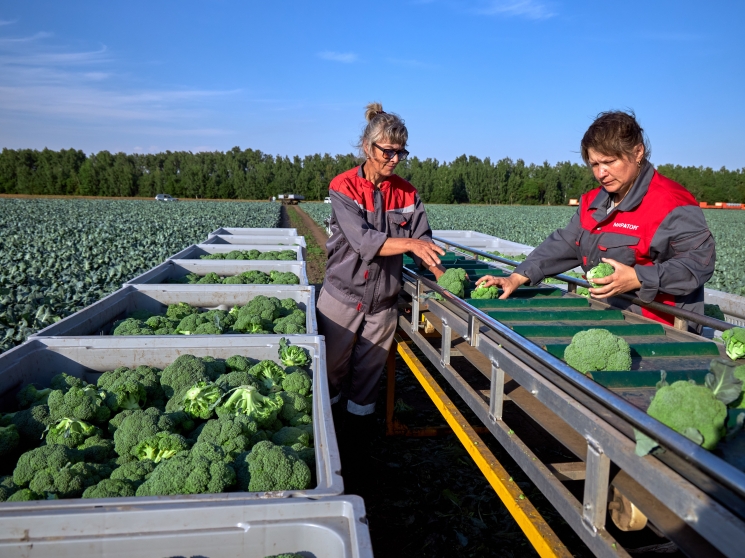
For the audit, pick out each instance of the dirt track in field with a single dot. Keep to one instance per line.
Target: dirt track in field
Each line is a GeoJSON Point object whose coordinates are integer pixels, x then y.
{"type": "Point", "coordinates": [315, 238]}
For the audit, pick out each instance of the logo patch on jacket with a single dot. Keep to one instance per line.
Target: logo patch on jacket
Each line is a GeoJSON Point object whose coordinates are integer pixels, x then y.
{"type": "Point", "coordinates": [626, 226]}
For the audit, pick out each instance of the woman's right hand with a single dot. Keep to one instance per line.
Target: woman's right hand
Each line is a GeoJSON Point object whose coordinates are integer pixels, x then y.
{"type": "Point", "coordinates": [507, 284]}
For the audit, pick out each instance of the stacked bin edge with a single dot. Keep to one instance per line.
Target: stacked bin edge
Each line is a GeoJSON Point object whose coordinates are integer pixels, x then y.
{"type": "Point", "coordinates": [176, 269]}
{"type": "Point", "coordinates": [40, 359]}
{"type": "Point", "coordinates": [96, 319]}
{"type": "Point", "coordinates": [239, 241]}
{"type": "Point", "coordinates": [255, 231]}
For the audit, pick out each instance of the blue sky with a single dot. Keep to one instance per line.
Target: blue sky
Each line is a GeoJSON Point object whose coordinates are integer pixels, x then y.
{"type": "Point", "coordinates": [497, 78]}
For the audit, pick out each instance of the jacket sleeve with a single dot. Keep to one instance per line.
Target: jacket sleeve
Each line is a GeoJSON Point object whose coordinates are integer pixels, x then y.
{"type": "Point", "coordinates": [362, 238]}
{"type": "Point", "coordinates": [683, 252]}
{"type": "Point", "coordinates": [557, 254]}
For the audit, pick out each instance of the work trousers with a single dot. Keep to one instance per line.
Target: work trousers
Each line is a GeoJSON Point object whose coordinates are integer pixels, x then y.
{"type": "Point", "coordinates": [357, 346]}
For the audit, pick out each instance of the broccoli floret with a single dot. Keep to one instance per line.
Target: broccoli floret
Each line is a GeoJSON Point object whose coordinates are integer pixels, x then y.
{"type": "Point", "coordinates": [30, 395]}
{"type": "Point", "coordinates": [233, 433]}
{"type": "Point", "coordinates": [79, 403]}
{"type": "Point", "coordinates": [454, 280]}
{"type": "Point", "coordinates": [268, 467]}
{"type": "Point", "coordinates": [161, 325]}
{"type": "Point", "coordinates": [734, 342]}
{"type": "Point", "coordinates": [25, 495]}
{"type": "Point", "coordinates": [70, 432]}
{"type": "Point", "coordinates": [69, 481]}
{"type": "Point", "coordinates": [217, 256]}
{"type": "Point", "coordinates": [215, 367]}
{"type": "Point", "coordinates": [297, 381]}
{"type": "Point", "coordinates": [31, 423]}
{"type": "Point", "coordinates": [200, 400]}
{"type": "Point", "coordinates": [289, 436]}
{"type": "Point", "coordinates": [123, 389]}
{"type": "Point", "coordinates": [207, 329]}
{"type": "Point", "coordinates": [247, 400]}
{"type": "Point", "coordinates": [41, 458]}
{"type": "Point", "coordinates": [291, 324]}
{"type": "Point", "coordinates": [200, 471]}
{"type": "Point", "coordinates": [269, 255]}
{"type": "Point", "coordinates": [284, 278]}
{"type": "Point", "coordinates": [255, 277]}
{"type": "Point", "coordinates": [131, 326]}
{"type": "Point", "coordinates": [110, 488]}
{"type": "Point", "coordinates": [210, 278]}
{"type": "Point", "coordinates": [145, 376]}
{"type": "Point", "coordinates": [235, 255]}
{"type": "Point", "coordinates": [162, 445]}
{"type": "Point", "coordinates": [7, 488]}
{"type": "Point", "coordinates": [238, 362]}
{"type": "Point", "coordinates": [234, 280]}
{"type": "Point", "coordinates": [97, 449]}
{"type": "Point", "coordinates": [292, 355]}
{"type": "Point", "coordinates": [135, 472]}
{"type": "Point", "coordinates": [287, 306]}
{"type": "Point", "coordinates": [182, 373]}
{"type": "Point", "coordinates": [117, 419]}
{"type": "Point", "coordinates": [189, 324]}
{"type": "Point", "coordinates": [179, 311]}
{"type": "Point", "coordinates": [287, 255]}
{"type": "Point", "coordinates": [599, 271]}
{"type": "Point", "coordinates": [714, 311]}
{"type": "Point", "coordinates": [598, 349]}
{"type": "Point", "coordinates": [63, 382]}
{"type": "Point", "coordinates": [248, 323]}
{"type": "Point", "coordinates": [686, 407]}
{"type": "Point", "coordinates": [139, 426]}
{"type": "Point", "coordinates": [263, 307]}
{"type": "Point", "coordinates": [296, 409]}
{"type": "Point", "coordinates": [9, 439]}
{"type": "Point", "coordinates": [236, 379]}
{"type": "Point", "coordinates": [269, 375]}
{"type": "Point", "coordinates": [485, 292]}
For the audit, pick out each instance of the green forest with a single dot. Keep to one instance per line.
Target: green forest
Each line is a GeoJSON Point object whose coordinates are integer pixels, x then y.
{"type": "Point", "coordinates": [251, 174]}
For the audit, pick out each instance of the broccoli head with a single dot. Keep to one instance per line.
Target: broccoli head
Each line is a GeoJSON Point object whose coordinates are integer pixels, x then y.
{"type": "Point", "coordinates": [182, 373]}
{"type": "Point", "coordinates": [200, 400]}
{"type": "Point", "coordinates": [139, 426]}
{"type": "Point", "coordinates": [268, 467]}
{"type": "Point", "coordinates": [289, 436]}
{"type": "Point", "coordinates": [454, 280]}
{"type": "Point", "coordinates": [7, 488]}
{"type": "Point", "coordinates": [284, 278]}
{"type": "Point", "coordinates": [287, 255]}
{"type": "Point", "coordinates": [246, 400]}
{"type": "Point", "coordinates": [296, 409]}
{"type": "Point", "coordinates": [252, 323]}
{"type": "Point", "coordinates": [135, 472]}
{"type": "Point", "coordinates": [233, 433]}
{"type": "Point", "coordinates": [598, 349]}
{"type": "Point", "coordinates": [734, 342]}
{"type": "Point", "coordinates": [31, 423]}
{"type": "Point", "coordinates": [291, 324]}
{"type": "Point", "coordinates": [269, 375]}
{"type": "Point", "coordinates": [292, 355]}
{"type": "Point", "coordinates": [25, 495]}
{"type": "Point", "coordinates": [216, 256]}
{"type": "Point", "coordinates": [255, 277]}
{"type": "Point", "coordinates": [63, 382]}
{"type": "Point", "coordinates": [234, 280]}
{"type": "Point", "coordinates": [30, 395]}
{"type": "Point", "coordinates": [70, 432]}
{"type": "Point", "coordinates": [162, 445]}
{"type": "Point", "coordinates": [9, 439]}
{"type": "Point", "coordinates": [599, 271]}
{"type": "Point", "coordinates": [483, 292]}
{"type": "Point", "coordinates": [131, 326]}
{"type": "Point", "coordinates": [203, 470]}
{"type": "Point", "coordinates": [122, 380]}
{"type": "Point", "coordinates": [238, 362]}
{"type": "Point", "coordinates": [45, 457]}
{"type": "Point", "coordinates": [691, 410]}
{"type": "Point", "coordinates": [85, 403]}
{"type": "Point", "coordinates": [236, 379]}
{"type": "Point", "coordinates": [70, 480]}
{"type": "Point", "coordinates": [210, 278]}
{"type": "Point", "coordinates": [110, 488]}
{"type": "Point", "coordinates": [179, 311]}
{"type": "Point", "coordinates": [96, 449]}
{"type": "Point", "coordinates": [297, 381]}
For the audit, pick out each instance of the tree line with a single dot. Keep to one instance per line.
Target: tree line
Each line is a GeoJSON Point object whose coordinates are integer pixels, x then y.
{"type": "Point", "coordinates": [251, 174]}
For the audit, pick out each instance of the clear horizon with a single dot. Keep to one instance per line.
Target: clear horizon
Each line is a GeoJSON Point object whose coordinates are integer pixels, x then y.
{"type": "Point", "coordinates": [493, 78]}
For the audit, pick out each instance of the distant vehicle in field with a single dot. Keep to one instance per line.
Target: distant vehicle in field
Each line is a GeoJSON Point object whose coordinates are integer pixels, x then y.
{"type": "Point", "coordinates": [326, 200]}
{"type": "Point", "coordinates": [165, 198]}
{"type": "Point", "coordinates": [290, 199]}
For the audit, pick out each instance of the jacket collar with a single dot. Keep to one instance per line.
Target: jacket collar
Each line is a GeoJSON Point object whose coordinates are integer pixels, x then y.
{"type": "Point", "coordinates": [636, 194]}
{"type": "Point", "coordinates": [365, 182]}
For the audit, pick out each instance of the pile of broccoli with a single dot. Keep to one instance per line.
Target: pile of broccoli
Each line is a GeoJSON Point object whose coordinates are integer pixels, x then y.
{"type": "Point", "coordinates": [455, 280]}
{"type": "Point", "coordinates": [261, 315]}
{"type": "Point", "coordinates": [252, 255]}
{"type": "Point", "coordinates": [253, 277]}
{"type": "Point", "coordinates": [598, 349]}
{"type": "Point", "coordinates": [201, 425]}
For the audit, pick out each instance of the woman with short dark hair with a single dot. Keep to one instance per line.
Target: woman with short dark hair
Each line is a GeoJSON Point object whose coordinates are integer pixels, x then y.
{"type": "Point", "coordinates": [376, 217]}
{"type": "Point", "coordinates": [649, 228]}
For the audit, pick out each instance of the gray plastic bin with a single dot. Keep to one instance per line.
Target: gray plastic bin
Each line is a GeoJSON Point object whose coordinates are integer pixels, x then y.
{"type": "Point", "coordinates": [256, 231]}
{"type": "Point", "coordinates": [176, 269]}
{"type": "Point", "coordinates": [333, 527]}
{"type": "Point", "coordinates": [238, 241]}
{"type": "Point", "coordinates": [194, 251]}
{"type": "Point", "coordinates": [40, 359]}
{"type": "Point", "coordinates": [97, 318]}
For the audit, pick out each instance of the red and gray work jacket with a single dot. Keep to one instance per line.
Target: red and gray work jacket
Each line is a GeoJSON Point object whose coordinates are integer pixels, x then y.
{"type": "Point", "coordinates": [363, 217]}
{"type": "Point", "coordinates": [658, 228]}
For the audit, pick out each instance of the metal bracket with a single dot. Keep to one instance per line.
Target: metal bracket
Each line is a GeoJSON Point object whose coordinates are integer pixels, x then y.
{"type": "Point", "coordinates": [415, 307]}
{"type": "Point", "coordinates": [597, 479]}
{"type": "Point", "coordinates": [473, 331]}
{"type": "Point", "coordinates": [571, 288]}
{"type": "Point", "coordinates": [447, 335]}
{"type": "Point", "coordinates": [496, 395]}
{"type": "Point", "coordinates": [680, 323]}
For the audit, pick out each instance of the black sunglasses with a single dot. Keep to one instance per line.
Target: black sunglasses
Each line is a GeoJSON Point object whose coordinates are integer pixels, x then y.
{"type": "Point", "coordinates": [389, 153]}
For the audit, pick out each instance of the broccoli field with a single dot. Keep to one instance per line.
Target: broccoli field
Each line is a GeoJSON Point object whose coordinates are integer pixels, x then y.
{"type": "Point", "coordinates": [531, 224]}
{"type": "Point", "coordinates": [58, 256]}
{"type": "Point", "coordinates": [199, 425]}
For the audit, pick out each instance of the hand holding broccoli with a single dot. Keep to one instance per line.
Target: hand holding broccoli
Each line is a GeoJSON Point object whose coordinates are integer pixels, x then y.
{"type": "Point", "coordinates": [622, 280]}
{"type": "Point", "coordinates": [507, 284]}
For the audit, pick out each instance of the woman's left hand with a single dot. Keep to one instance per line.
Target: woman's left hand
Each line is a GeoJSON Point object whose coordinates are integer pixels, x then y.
{"type": "Point", "coordinates": [622, 280]}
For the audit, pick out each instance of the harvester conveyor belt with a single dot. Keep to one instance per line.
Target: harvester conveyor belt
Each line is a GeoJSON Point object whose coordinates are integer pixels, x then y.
{"type": "Point", "coordinates": [693, 496]}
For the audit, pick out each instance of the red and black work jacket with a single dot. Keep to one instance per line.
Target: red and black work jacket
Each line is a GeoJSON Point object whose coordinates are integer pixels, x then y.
{"type": "Point", "coordinates": [363, 217]}
{"type": "Point", "coordinates": [658, 228]}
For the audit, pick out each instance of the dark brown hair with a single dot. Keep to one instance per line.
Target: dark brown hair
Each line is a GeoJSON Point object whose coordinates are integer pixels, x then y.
{"type": "Point", "coordinates": [615, 133]}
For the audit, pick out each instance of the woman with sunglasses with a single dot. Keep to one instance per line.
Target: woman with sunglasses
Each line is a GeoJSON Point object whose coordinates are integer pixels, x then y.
{"type": "Point", "coordinates": [376, 217]}
{"type": "Point", "coordinates": [649, 228]}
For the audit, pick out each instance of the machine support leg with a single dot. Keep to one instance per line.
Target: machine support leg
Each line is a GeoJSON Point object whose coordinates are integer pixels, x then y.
{"type": "Point", "coordinates": [496, 396]}
{"type": "Point", "coordinates": [447, 334]}
{"type": "Point", "coordinates": [597, 478]}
